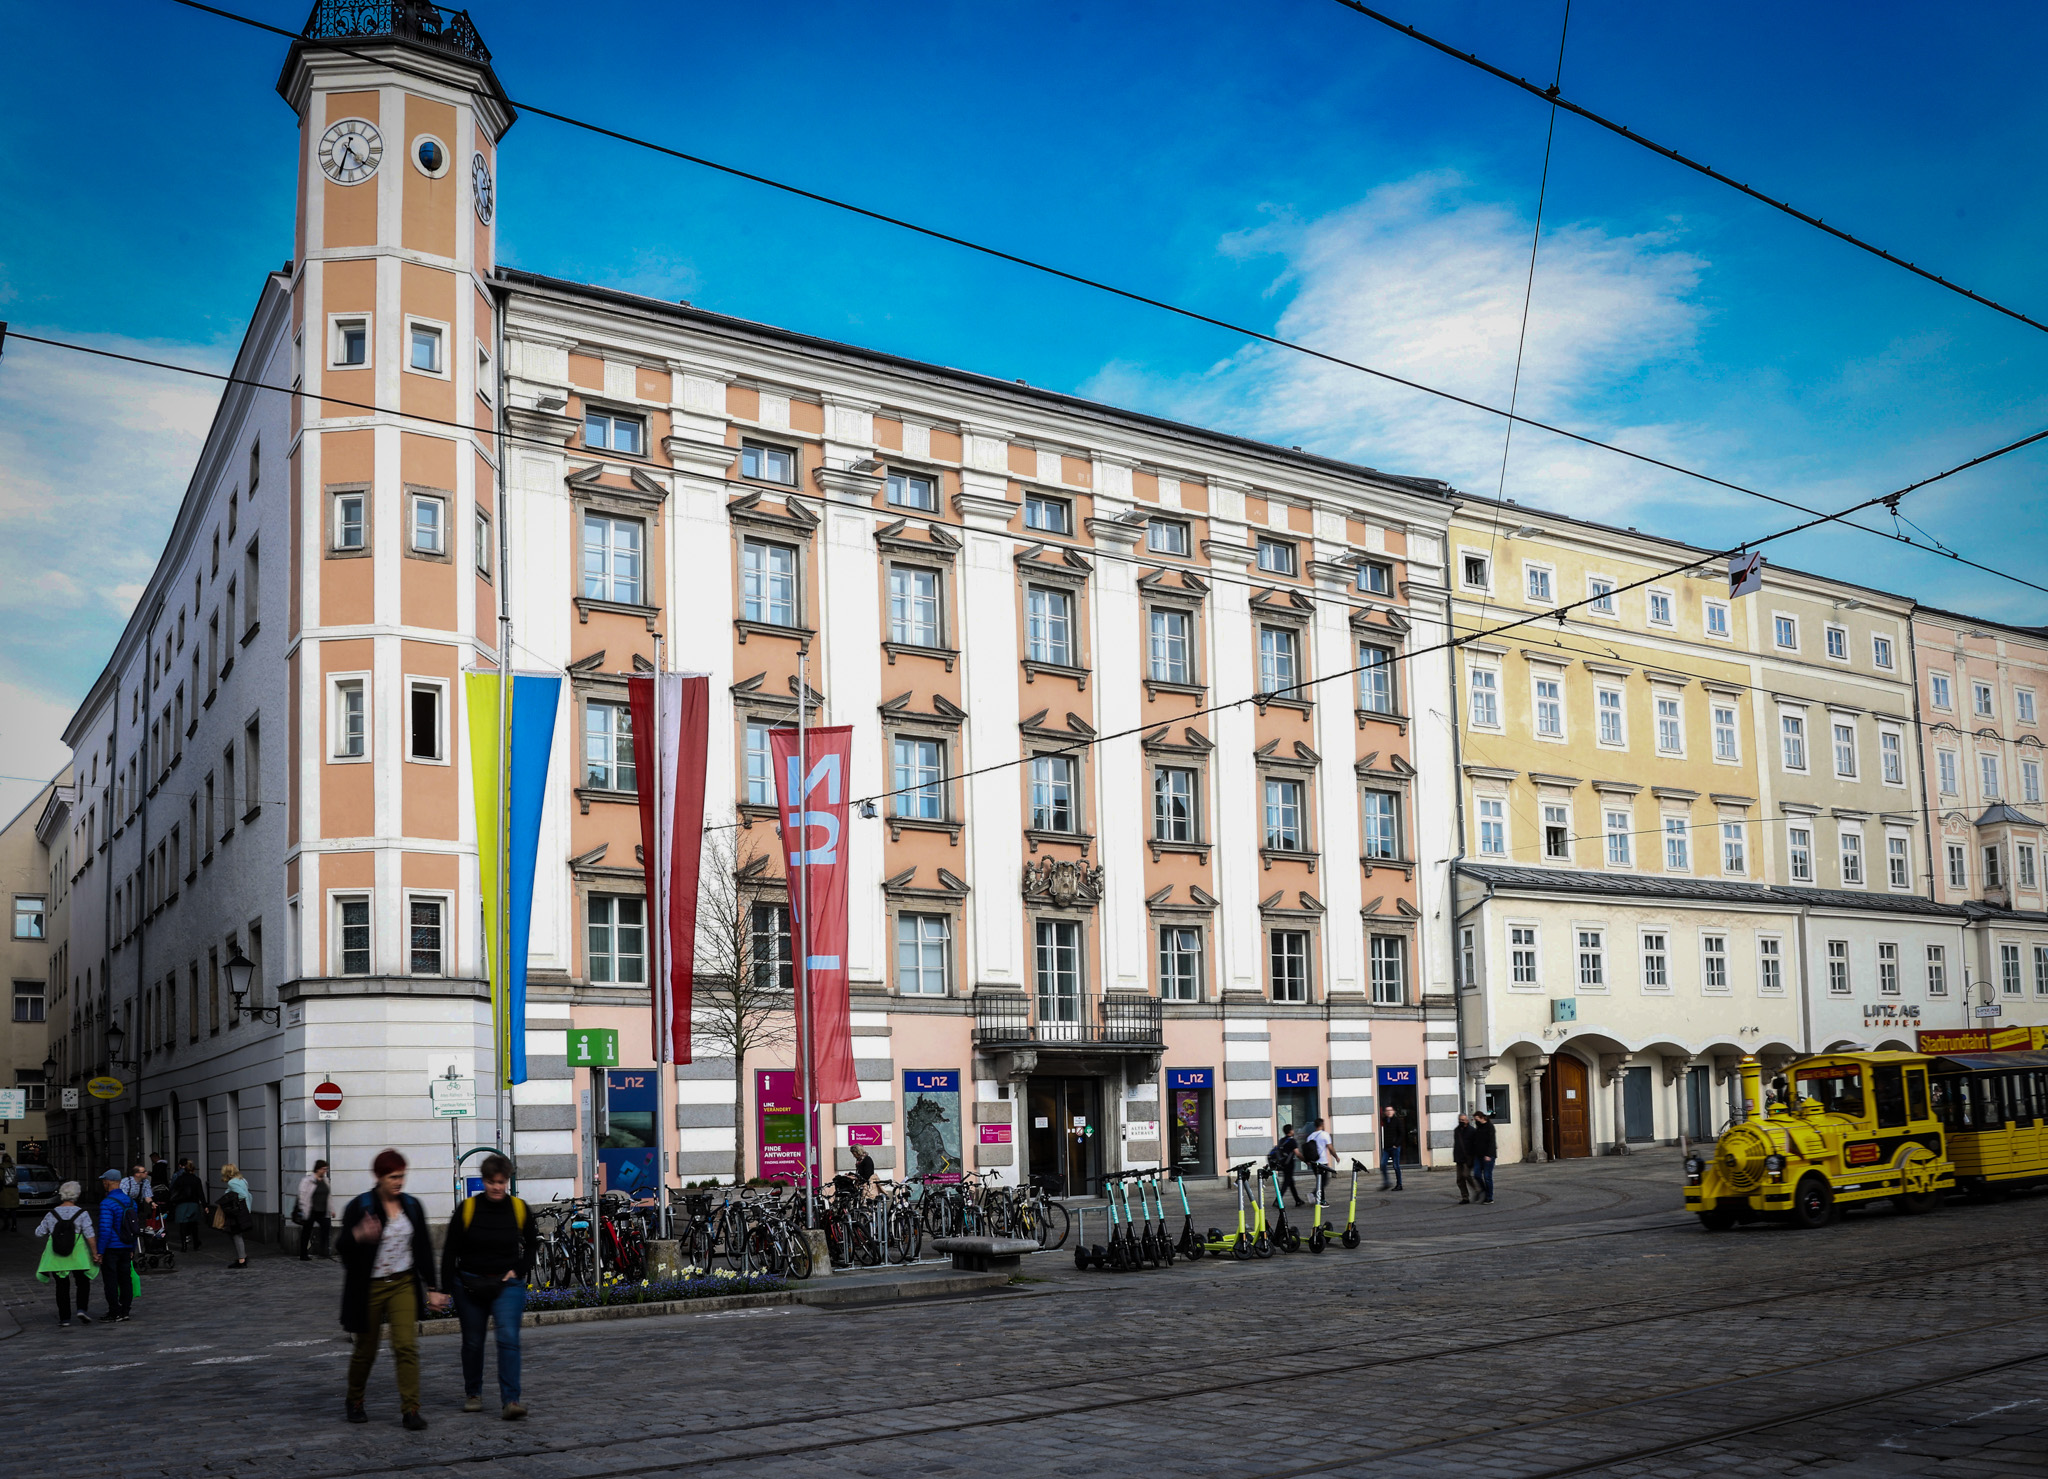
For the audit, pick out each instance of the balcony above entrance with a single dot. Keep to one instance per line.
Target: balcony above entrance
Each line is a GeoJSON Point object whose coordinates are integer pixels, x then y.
{"type": "Point", "coordinates": [1093, 1023]}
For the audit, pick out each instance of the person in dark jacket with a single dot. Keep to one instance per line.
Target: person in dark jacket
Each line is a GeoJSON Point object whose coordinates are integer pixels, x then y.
{"type": "Point", "coordinates": [1461, 1157]}
{"type": "Point", "coordinates": [485, 1261]}
{"type": "Point", "coordinates": [387, 1260]}
{"type": "Point", "coordinates": [188, 1202]}
{"type": "Point", "coordinates": [1286, 1150]}
{"type": "Point", "coordinates": [1393, 1135]}
{"type": "Point", "coordinates": [117, 1249]}
{"type": "Point", "coordinates": [1485, 1150]}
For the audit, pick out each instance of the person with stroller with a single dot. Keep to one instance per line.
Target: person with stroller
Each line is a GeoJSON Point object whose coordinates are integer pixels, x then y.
{"type": "Point", "coordinates": [70, 1253]}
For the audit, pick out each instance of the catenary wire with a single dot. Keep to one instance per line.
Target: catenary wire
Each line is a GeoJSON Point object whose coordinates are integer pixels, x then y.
{"type": "Point", "coordinates": [1127, 294]}
{"type": "Point", "coordinates": [1551, 96]}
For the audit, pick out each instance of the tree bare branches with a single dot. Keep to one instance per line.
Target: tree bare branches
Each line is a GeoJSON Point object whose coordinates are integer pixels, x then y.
{"type": "Point", "coordinates": [742, 1002]}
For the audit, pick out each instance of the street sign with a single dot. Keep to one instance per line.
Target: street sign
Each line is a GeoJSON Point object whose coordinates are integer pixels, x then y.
{"type": "Point", "coordinates": [68, 1098]}
{"type": "Point", "coordinates": [1988, 1009]}
{"type": "Point", "coordinates": [1745, 574]}
{"type": "Point", "coordinates": [105, 1087]}
{"type": "Point", "coordinates": [13, 1104]}
{"type": "Point", "coordinates": [330, 1114]}
{"type": "Point", "coordinates": [593, 1047]}
{"type": "Point", "coordinates": [327, 1097]}
{"type": "Point", "coordinates": [454, 1098]}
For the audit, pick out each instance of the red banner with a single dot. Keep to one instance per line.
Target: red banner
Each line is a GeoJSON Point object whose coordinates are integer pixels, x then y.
{"type": "Point", "coordinates": [814, 840]}
{"type": "Point", "coordinates": [671, 733]}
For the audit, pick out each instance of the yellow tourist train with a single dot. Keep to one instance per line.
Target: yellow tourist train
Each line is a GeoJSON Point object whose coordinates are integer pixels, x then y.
{"type": "Point", "coordinates": [1846, 1128]}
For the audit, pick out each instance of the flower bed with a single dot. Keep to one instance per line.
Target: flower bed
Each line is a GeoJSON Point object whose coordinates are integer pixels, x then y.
{"type": "Point", "coordinates": [692, 1284]}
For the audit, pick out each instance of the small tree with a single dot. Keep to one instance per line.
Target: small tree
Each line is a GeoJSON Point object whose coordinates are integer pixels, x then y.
{"type": "Point", "coordinates": [741, 1002]}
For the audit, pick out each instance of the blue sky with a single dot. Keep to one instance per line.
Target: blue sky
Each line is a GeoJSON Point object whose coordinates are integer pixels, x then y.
{"type": "Point", "coordinates": [1290, 165]}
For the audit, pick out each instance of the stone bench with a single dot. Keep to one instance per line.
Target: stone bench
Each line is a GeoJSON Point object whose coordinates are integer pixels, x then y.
{"type": "Point", "coordinates": [985, 1255]}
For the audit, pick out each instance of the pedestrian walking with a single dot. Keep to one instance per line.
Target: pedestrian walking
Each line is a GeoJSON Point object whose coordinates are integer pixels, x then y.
{"type": "Point", "coordinates": [160, 1182]}
{"type": "Point", "coordinates": [1321, 1154]}
{"type": "Point", "coordinates": [120, 1229]}
{"type": "Point", "coordinates": [485, 1261]}
{"type": "Point", "coordinates": [136, 1184]}
{"type": "Point", "coordinates": [10, 1195]}
{"type": "Point", "coordinates": [1485, 1150]}
{"type": "Point", "coordinates": [387, 1257]}
{"type": "Point", "coordinates": [1461, 1157]}
{"type": "Point", "coordinates": [1393, 1133]}
{"type": "Point", "coordinates": [311, 1214]}
{"type": "Point", "coordinates": [70, 1253]}
{"type": "Point", "coordinates": [188, 1203]}
{"type": "Point", "coordinates": [231, 1213]}
{"type": "Point", "coordinates": [1281, 1158]}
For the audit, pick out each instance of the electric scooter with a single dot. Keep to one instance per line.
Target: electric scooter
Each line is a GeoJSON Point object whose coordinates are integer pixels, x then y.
{"type": "Point", "coordinates": [1142, 1250]}
{"type": "Point", "coordinates": [1219, 1242]}
{"type": "Point", "coordinates": [1113, 1252]}
{"type": "Point", "coordinates": [1284, 1236]}
{"type": "Point", "coordinates": [1167, 1251]}
{"type": "Point", "coordinates": [1262, 1241]}
{"type": "Point", "coordinates": [1191, 1247]}
{"type": "Point", "coordinates": [1351, 1224]}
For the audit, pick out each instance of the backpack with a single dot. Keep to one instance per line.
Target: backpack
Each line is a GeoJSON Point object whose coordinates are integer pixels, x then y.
{"type": "Point", "coordinates": [1281, 1156]}
{"type": "Point", "coordinates": [128, 1226]}
{"type": "Point", "coordinates": [64, 1236]}
{"type": "Point", "coordinates": [518, 1213]}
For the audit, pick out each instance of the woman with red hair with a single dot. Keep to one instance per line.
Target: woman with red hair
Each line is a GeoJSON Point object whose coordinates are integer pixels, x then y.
{"type": "Point", "coordinates": [387, 1259]}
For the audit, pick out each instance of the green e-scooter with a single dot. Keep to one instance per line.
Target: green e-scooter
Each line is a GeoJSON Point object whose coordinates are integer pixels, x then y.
{"type": "Point", "coordinates": [1191, 1246]}
{"type": "Point", "coordinates": [1160, 1240]}
{"type": "Point", "coordinates": [1351, 1222]}
{"type": "Point", "coordinates": [1238, 1244]}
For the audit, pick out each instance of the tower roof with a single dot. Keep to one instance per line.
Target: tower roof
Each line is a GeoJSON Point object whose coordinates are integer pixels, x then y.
{"type": "Point", "coordinates": [369, 27]}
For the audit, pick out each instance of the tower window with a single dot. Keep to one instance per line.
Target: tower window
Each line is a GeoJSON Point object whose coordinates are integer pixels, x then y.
{"type": "Point", "coordinates": [351, 343]}
{"type": "Point", "coordinates": [424, 349]}
{"type": "Point", "coordinates": [614, 433]}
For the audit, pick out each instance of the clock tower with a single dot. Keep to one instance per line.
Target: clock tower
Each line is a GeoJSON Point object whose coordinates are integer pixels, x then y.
{"type": "Point", "coordinates": [393, 469]}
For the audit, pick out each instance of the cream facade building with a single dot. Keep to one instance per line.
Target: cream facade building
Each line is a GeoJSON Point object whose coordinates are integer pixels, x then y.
{"type": "Point", "coordinates": [32, 878]}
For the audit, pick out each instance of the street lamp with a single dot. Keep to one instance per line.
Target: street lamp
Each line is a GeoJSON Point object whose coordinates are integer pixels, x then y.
{"type": "Point", "coordinates": [117, 1039]}
{"type": "Point", "coordinates": [240, 970]}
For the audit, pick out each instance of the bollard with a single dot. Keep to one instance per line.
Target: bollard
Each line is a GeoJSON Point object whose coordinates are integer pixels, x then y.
{"type": "Point", "coordinates": [664, 1259]}
{"type": "Point", "coordinates": [821, 1251]}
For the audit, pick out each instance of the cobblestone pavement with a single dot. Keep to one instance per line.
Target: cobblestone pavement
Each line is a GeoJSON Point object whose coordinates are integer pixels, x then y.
{"type": "Point", "coordinates": [1582, 1324]}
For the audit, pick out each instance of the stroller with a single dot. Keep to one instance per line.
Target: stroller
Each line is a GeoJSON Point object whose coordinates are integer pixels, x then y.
{"type": "Point", "coordinates": [154, 1256]}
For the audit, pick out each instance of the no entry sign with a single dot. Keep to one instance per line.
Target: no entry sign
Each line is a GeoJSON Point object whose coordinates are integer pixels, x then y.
{"type": "Point", "coordinates": [327, 1097]}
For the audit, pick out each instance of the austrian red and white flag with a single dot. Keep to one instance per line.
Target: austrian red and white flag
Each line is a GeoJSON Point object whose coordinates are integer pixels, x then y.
{"type": "Point", "coordinates": [671, 733]}
{"type": "Point", "coordinates": [812, 791]}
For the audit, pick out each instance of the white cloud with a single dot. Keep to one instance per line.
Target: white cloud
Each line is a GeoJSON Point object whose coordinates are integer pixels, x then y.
{"type": "Point", "coordinates": [30, 723]}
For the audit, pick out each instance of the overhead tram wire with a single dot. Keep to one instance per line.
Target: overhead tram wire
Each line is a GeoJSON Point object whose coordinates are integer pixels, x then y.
{"type": "Point", "coordinates": [1889, 500]}
{"type": "Point", "coordinates": [1552, 96]}
{"type": "Point", "coordinates": [1127, 294]}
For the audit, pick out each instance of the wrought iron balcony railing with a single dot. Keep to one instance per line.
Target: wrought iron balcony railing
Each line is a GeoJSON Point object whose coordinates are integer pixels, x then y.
{"type": "Point", "coordinates": [398, 20]}
{"type": "Point", "coordinates": [1127, 1021]}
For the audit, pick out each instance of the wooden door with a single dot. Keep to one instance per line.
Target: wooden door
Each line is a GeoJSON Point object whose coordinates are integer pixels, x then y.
{"type": "Point", "coordinates": [1567, 1109]}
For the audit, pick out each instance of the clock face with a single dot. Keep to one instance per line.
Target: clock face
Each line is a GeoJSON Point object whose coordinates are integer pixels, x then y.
{"type": "Point", "coordinates": [480, 179]}
{"type": "Point", "coordinates": [350, 151]}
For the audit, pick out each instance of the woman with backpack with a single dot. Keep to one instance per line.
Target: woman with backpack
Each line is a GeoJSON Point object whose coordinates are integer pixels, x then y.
{"type": "Point", "coordinates": [231, 1213]}
{"type": "Point", "coordinates": [70, 1253]}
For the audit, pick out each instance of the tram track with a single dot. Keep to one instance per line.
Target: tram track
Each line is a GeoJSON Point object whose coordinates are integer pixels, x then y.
{"type": "Point", "coordinates": [1268, 1372]}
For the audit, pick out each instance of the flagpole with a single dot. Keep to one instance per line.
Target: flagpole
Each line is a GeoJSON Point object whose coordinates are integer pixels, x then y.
{"type": "Point", "coordinates": [801, 977]}
{"type": "Point", "coordinates": [657, 910]}
{"type": "Point", "coordinates": [501, 1000]}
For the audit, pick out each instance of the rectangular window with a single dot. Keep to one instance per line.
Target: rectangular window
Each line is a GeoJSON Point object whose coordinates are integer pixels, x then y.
{"type": "Point", "coordinates": [1601, 590]}
{"type": "Point", "coordinates": [1389, 971]}
{"type": "Point", "coordinates": [1375, 579]}
{"type": "Point", "coordinates": [1987, 772]}
{"type": "Point", "coordinates": [1475, 572]}
{"type": "Point", "coordinates": [351, 531]}
{"type": "Point", "coordinates": [423, 937]}
{"type": "Point", "coordinates": [1048, 515]}
{"type": "Point", "coordinates": [1539, 583]}
{"type": "Point", "coordinates": [913, 606]}
{"type": "Point", "coordinates": [924, 954]}
{"type": "Point", "coordinates": [2026, 869]}
{"type": "Point", "coordinates": [1276, 555]}
{"type": "Point", "coordinates": [1937, 970]}
{"type": "Point", "coordinates": [1170, 647]}
{"type": "Point", "coordinates": [1981, 700]}
{"type": "Point", "coordinates": [2041, 970]}
{"type": "Point", "coordinates": [2023, 705]}
{"type": "Point", "coordinates": [1592, 960]}
{"type": "Point", "coordinates": [423, 722]}
{"type": "Point", "coordinates": [1994, 867]}
{"type": "Point", "coordinates": [486, 380]}
{"type": "Point", "coordinates": [1891, 752]}
{"type": "Point", "coordinates": [920, 786]}
{"type": "Point", "coordinates": [351, 343]}
{"type": "Point", "coordinates": [1049, 626]}
{"type": "Point", "coordinates": [30, 913]}
{"type": "Point", "coordinates": [1659, 605]}
{"type": "Point", "coordinates": [1838, 643]}
{"type": "Point", "coordinates": [1382, 824]}
{"type": "Point", "coordinates": [768, 464]}
{"type": "Point", "coordinates": [1958, 866]}
{"type": "Point", "coordinates": [608, 748]}
{"type": "Point", "coordinates": [1656, 962]}
{"type": "Point", "coordinates": [1167, 537]}
{"type": "Point", "coordinates": [252, 568]}
{"type": "Point", "coordinates": [425, 351]}
{"type": "Point", "coordinates": [1734, 855]}
{"type": "Point", "coordinates": [1052, 794]}
{"type": "Point", "coordinates": [1770, 967]}
{"type": "Point", "coordinates": [1056, 970]}
{"type": "Point", "coordinates": [1375, 679]}
{"type": "Point", "coordinates": [1493, 827]}
{"type": "Point", "coordinates": [1468, 956]}
{"type": "Point", "coordinates": [1852, 859]}
{"type": "Point", "coordinates": [1608, 703]}
{"type": "Point", "coordinates": [1485, 698]}
{"type": "Point", "coordinates": [768, 948]}
{"type": "Point", "coordinates": [1938, 691]}
{"type": "Point", "coordinates": [616, 941]}
{"type": "Point", "coordinates": [1557, 833]}
{"type": "Point", "coordinates": [2008, 970]}
{"type": "Point", "coordinates": [768, 583]}
{"type": "Point", "coordinates": [1522, 953]}
{"type": "Point", "coordinates": [1838, 967]}
{"type": "Point", "coordinates": [483, 544]}
{"type": "Point", "coordinates": [1845, 750]}
{"type": "Point", "coordinates": [1881, 652]}
{"type": "Point", "coordinates": [912, 490]}
{"type": "Point", "coordinates": [1180, 962]}
{"type": "Point", "coordinates": [1714, 964]}
{"type": "Point", "coordinates": [1620, 851]}
{"type": "Point", "coordinates": [1792, 727]}
{"type": "Point", "coordinates": [2030, 782]}
{"type": "Point", "coordinates": [1785, 632]}
{"type": "Point", "coordinates": [37, 1091]}
{"type": "Point", "coordinates": [1174, 818]}
{"type": "Point", "coordinates": [1284, 816]}
{"type": "Point", "coordinates": [1670, 727]}
{"type": "Point", "coordinates": [1287, 955]}
{"type": "Point", "coordinates": [1726, 746]}
{"type": "Point", "coordinates": [1947, 772]}
{"type": "Point", "coordinates": [613, 433]}
{"type": "Point", "coordinates": [759, 766]}
{"type": "Point", "coordinates": [1715, 614]}
{"type": "Point", "coordinates": [1277, 667]}
{"type": "Point", "coordinates": [611, 559]}
{"type": "Point", "coordinates": [351, 721]}
{"type": "Point", "coordinates": [1549, 707]}
{"type": "Point", "coordinates": [1677, 845]}
{"type": "Point", "coordinates": [1887, 968]}
{"type": "Point", "coordinates": [352, 921]}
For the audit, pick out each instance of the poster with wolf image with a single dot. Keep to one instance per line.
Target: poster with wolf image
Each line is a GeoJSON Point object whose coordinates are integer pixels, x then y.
{"type": "Point", "coordinates": [931, 1124]}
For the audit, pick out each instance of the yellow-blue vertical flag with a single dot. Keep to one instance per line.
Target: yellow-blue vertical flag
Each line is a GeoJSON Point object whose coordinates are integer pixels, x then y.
{"type": "Point", "coordinates": [508, 779]}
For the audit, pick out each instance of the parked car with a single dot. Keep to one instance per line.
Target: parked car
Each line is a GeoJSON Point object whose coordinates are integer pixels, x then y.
{"type": "Point", "coordinates": [38, 1187]}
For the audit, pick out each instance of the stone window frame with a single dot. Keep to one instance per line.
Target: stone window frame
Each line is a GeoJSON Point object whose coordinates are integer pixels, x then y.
{"type": "Point", "coordinates": [643, 501]}
{"type": "Point", "coordinates": [1190, 598]}
{"type": "Point", "coordinates": [1073, 574]}
{"type": "Point", "coordinates": [1303, 765]}
{"type": "Point", "coordinates": [797, 528]}
{"type": "Point", "coordinates": [941, 725]}
{"type": "Point", "coordinates": [939, 555]}
{"type": "Point", "coordinates": [1192, 751]}
{"type": "Point", "coordinates": [903, 895]}
{"type": "Point", "coordinates": [1289, 610]}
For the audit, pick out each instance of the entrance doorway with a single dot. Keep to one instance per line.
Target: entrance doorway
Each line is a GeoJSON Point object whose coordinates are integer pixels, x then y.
{"type": "Point", "coordinates": [1638, 1108]}
{"type": "Point", "coordinates": [1567, 1111]}
{"type": "Point", "coordinates": [1699, 1103]}
{"type": "Point", "coordinates": [1297, 1096]}
{"type": "Point", "coordinates": [1398, 1092]}
{"type": "Point", "coordinates": [1066, 1133]}
{"type": "Point", "coordinates": [1191, 1103]}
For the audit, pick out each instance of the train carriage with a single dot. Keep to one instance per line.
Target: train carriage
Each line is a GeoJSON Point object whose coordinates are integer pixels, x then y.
{"type": "Point", "coordinates": [1994, 1107]}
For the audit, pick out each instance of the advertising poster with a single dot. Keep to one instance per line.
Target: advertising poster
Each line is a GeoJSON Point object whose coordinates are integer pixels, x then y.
{"type": "Point", "coordinates": [779, 1124]}
{"type": "Point", "coordinates": [629, 1155]}
{"type": "Point", "coordinates": [931, 1124]}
